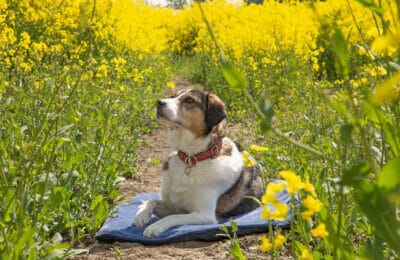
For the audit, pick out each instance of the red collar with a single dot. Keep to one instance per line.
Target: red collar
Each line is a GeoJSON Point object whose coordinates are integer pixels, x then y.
{"type": "Point", "coordinates": [210, 153]}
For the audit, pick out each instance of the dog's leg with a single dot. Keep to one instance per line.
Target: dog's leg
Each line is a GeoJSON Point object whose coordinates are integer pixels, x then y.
{"type": "Point", "coordinates": [143, 215]}
{"type": "Point", "coordinates": [162, 209]}
{"type": "Point", "coordinates": [153, 206]}
{"type": "Point", "coordinates": [194, 218]}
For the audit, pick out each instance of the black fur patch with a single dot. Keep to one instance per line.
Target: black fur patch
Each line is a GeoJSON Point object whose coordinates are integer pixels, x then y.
{"type": "Point", "coordinates": [215, 111]}
{"type": "Point", "coordinates": [233, 201]}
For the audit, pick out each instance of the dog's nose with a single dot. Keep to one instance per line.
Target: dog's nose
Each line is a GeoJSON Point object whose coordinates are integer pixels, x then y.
{"type": "Point", "coordinates": [160, 103]}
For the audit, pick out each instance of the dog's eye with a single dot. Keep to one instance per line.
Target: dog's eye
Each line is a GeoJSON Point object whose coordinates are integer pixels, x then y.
{"type": "Point", "coordinates": [188, 100]}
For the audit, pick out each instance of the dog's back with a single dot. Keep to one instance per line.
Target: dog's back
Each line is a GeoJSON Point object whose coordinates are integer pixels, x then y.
{"type": "Point", "coordinates": [234, 202]}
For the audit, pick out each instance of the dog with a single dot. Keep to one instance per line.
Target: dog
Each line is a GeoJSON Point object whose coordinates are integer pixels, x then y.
{"type": "Point", "coordinates": [204, 178]}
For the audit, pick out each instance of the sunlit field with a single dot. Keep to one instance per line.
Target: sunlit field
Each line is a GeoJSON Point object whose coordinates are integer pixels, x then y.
{"type": "Point", "coordinates": [318, 84]}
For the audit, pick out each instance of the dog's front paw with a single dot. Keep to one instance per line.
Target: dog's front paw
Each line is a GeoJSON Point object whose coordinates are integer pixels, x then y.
{"type": "Point", "coordinates": [154, 230]}
{"type": "Point", "coordinates": [142, 217]}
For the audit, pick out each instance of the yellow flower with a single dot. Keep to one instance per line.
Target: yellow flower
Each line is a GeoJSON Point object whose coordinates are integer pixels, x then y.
{"type": "Point", "coordinates": [102, 71]}
{"type": "Point", "coordinates": [312, 206]}
{"type": "Point", "coordinates": [386, 91]}
{"type": "Point", "coordinates": [171, 84]}
{"type": "Point", "coordinates": [279, 240]}
{"type": "Point", "coordinates": [258, 148]}
{"type": "Point", "coordinates": [265, 244]}
{"type": "Point", "coordinates": [305, 255]}
{"type": "Point", "coordinates": [388, 43]}
{"type": "Point", "coordinates": [281, 210]}
{"type": "Point", "coordinates": [270, 191]}
{"type": "Point", "coordinates": [266, 213]}
{"type": "Point", "coordinates": [25, 66]}
{"type": "Point", "coordinates": [279, 213]}
{"type": "Point", "coordinates": [294, 182]}
{"type": "Point", "coordinates": [320, 231]}
{"type": "Point", "coordinates": [309, 187]}
{"type": "Point", "coordinates": [25, 40]}
{"type": "Point", "coordinates": [247, 160]}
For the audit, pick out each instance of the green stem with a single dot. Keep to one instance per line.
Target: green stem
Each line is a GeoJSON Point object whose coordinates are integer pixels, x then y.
{"type": "Point", "coordinates": [355, 22]}
{"type": "Point", "coordinates": [211, 32]}
{"type": "Point", "coordinates": [293, 213]}
{"type": "Point", "coordinates": [339, 223]}
{"type": "Point", "coordinates": [364, 141]}
{"type": "Point", "coordinates": [271, 238]}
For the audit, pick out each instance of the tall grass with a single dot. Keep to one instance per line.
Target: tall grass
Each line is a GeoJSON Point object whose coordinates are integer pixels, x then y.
{"type": "Point", "coordinates": [73, 103]}
{"type": "Point", "coordinates": [345, 139]}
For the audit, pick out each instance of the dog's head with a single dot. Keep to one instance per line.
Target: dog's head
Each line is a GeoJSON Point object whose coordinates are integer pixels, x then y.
{"type": "Point", "coordinates": [198, 111]}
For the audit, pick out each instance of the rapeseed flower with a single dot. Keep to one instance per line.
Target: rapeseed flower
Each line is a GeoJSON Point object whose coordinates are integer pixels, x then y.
{"type": "Point", "coordinates": [280, 209]}
{"type": "Point", "coordinates": [258, 148]}
{"type": "Point", "coordinates": [25, 40]}
{"type": "Point", "coordinates": [270, 191]}
{"type": "Point", "coordinates": [293, 181]}
{"type": "Point", "coordinates": [279, 240]}
{"type": "Point", "coordinates": [320, 231]}
{"type": "Point", "coordinates": [171, 85]}
{"type": "Point", "coordinates": [305, 255]}
{"type": "Point", "coordinates": [387, 91]}
{"type": "Point", "coordinates": [267, 245]}
{"type": "Point", "coordinates": [247, 160]}
{"type": "Point", "coordinates": [309, 187]}
{"type": "Point", "coordinates": [312, 206]}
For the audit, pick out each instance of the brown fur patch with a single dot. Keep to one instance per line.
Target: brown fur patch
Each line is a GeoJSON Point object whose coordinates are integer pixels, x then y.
{"type": "Point", "coordinates": [165, 166]}
{"type": "Point", "coordinates": [233, 201]}
{"type": "Point", "coordinates": [199, 111]}
{"type": "Point", "coordinates": [191, 111]}
{"type": "Point", "coordinates": [226, 149]}
{"type": "Point", "coordinates": [219, 131]}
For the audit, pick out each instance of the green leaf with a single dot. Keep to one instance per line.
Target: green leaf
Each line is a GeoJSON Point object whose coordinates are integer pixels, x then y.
{"type": "Point", "coordinates": [372, 112]}
{"type": "Point", "coordinates": [345, 133]}
{"type": "Point", "coordinates": [267, 114]}
{"type": "Point", "coordinates": [224, 228]}
{"type": "Point", "coordinates": [9, 205]}
{"type": "Point", "coordinates": [342, 54]}
{"type": "Point", "coordinates": [381, 214]}
{"type": "Point", "coordinates": [233, 77]}
{"type": "Point", "coordinates": [370, 5]}
{"type": "Point", "coordinates": [389, 177]}
{"type": "Point", "coordinates": [233, 225]}
{"type": "Point", "coordinates": [355, 174]}
{"type": "Point", "coordinates": [59, 195]}
{"type": "Point", "coordinates": [236, 251]}
{"type": "Point", "coordinates": [99, 207]}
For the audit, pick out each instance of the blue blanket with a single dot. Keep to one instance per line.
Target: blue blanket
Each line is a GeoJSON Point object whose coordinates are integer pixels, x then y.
{"type": "Point", "coordinates": [120, 227]}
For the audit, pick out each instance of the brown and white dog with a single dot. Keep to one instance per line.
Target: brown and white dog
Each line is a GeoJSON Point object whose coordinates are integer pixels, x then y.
{"type": "Point", "coordinates": [204, 177]}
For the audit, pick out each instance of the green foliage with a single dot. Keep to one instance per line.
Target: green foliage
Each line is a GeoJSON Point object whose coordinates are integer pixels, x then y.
{"type": "Point", "coordinates": [342, 53]}
{"type": "Point", "coordinates": [233, 77]}
{"type": "Point", "coordinates": [351, 144]}
{"type": "Point", "coordinates": [69, 126]}
{"type": "Point", "coordinates": [235, 249]}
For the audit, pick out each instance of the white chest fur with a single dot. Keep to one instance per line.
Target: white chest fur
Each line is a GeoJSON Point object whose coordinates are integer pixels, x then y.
{"type": "Point", "coordinates": [203, 184]}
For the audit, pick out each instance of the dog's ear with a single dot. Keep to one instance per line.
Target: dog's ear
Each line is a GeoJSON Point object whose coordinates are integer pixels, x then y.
{"type": "Point", "coordinates": [215, 111]}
